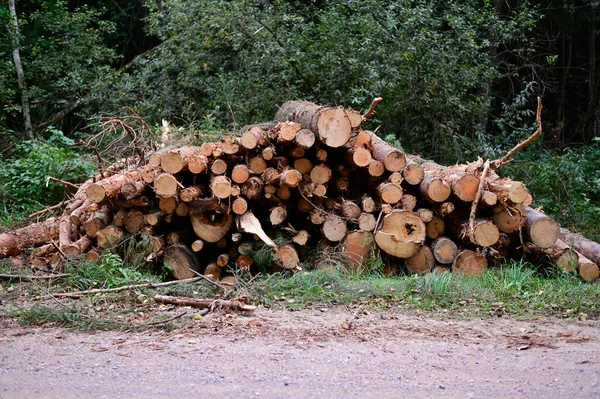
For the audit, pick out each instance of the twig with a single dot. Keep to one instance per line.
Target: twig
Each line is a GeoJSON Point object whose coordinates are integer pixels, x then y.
{"type": "Point", "coordinates": [523, 144]}
{"type": "Point", "coordinates": [167, 320]}
{"type": "Point", "coordinates": [64, 183]}
{"type": "Point", "coordinates": [77, 294]}
{"type": "Point", "coordinates": [371, 110]}
{"type": "Point", "coordinates": [49, 209]}
{"type": "Point", "coordinates": [60, 251]}
{"type": "Point", "coordinates": [486, 168]}
{"type": "Point", "coordinates": [204, 303]}
{"type": "Point", "coordinates": [213, 282]}
{"type": "Point", "coordinates": [26, 277]}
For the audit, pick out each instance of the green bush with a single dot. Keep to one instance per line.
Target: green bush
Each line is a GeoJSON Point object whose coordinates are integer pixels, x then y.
{"type": "Point", "coordinates": [24, 184]}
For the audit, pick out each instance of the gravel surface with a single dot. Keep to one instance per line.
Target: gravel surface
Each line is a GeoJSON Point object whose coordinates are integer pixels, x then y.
{"type": "Point", "coordinates": [318, 353]}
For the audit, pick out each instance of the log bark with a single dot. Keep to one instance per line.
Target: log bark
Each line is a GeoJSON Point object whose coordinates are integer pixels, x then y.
{"type": "Point", "coordinates": [179, 259]}
{"type": "Point", "coordinates": [392, 158]}
{"type": "Point", "coordinates": [588, 248]}
{"type": "Point", "coordinates": [541, 229]}
{"type": "Point", "coordinates": [402, 234]}
{"type": "Point", "coordinates": [97, 221]}
{"type": "Point", "coordinates": [331, 125]}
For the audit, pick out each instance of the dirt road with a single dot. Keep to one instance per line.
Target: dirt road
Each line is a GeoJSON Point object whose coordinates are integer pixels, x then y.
{"type": "Point", "coordinates": [319, 353]}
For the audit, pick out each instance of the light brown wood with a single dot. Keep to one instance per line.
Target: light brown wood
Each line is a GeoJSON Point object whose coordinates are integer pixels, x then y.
{"type": "Point", "coordinates": [231, 145]}
{"type": "Point", "coordinates": [182, 209]}
{"type": "Point", "coordinates": [376, 168]}
{"type": "Point", "coordinates": [392, 158]}
{"type": "Point", "coordinates": [305, 138]}
{"type": "Point", "coordinates": [588, 248]}
{"type": "Point", "coordinates": [443, 209]}
{"type": "Point", "coordinates": [198, 164]}
{"type": "Point", "coordinates": [240, 173]}
{"type": "Point", "coordinates": [210, 227]}
{"type": "Point", "coordinates": [350, 210]}
{"type": "Point", "coordinates": [168, 204]}
{"type": "Point", "coordinates": [286, 131]}
{"type": "Point", "coordinates": [444, 250]}
{"type": "Point", "coordinates": [180, 261]}
{"type": "Point", "coordinates": [331, 125]}
{"type": "Point", "coordinates": [132, 189]}
{"type": "Point", "coordinates": [77, 248]}
{"type": "Point", "coordinates": [290, 178]}
{"type": "Point", "coordinates": [464, 185]}
{"type": "Point", "coordinates": [334, 228]}
{"type": "Point", "coordinates": [177, 160]}
{"type": "Point", "coordinates": [485, 233]}
{"type": "Point", "coordinates": [222, 260]}
{"type": "Point", "coordinates": [357, 247]}
{"type": "Point", "coordinates": [270, 176]}
{"type": "Point", "coordinates": [239, 206]}
{"type": "Point", "coordinates": [218, 167]}
{"type": "Point", "coordinates": [301, 237]}
{"type": "Point", "coordinates": [509, 191]}
{"type": "Point", "coordinates": [287, 257]}
{"type": "Point", "coordinates": [252, 138]}
{"type": "Point", "coordinates": [360, 157]}
{"type": "Point", "coordinates": [284, 193]}
{"type": "Point", "coordinates": [587, 269]}
{"type": "Point", "coordinates": [321, 155]}
{"type": "Point", "coordinates": [14, 242]}
{"type": "Point", "coordinates": [389, 193]}
{"type": "Point", "coordinates": [413, 173]}
{"type": "Point", "coordinates": [96, 221]}
{"type": "Point", "coordinates": [320, 174]}
{"type": "Point", "coordinates": [206, 149]}
{"type": "Point", "coordinates": [434, 188]}
{"type": "Point", "coordinates": [436, 228]}
{"type": "Point", "coordinates": [425, 214]}
{"type": "Point", "coordinates": [197, 245]}
{"type": "Point", "coordinates": [213, 270]}
{"type": "Point", "coordinates": [320, 190]}
{"type": "Point", "coordinates": [541, 229]}
{"type": "Point", "coordinates": [243, 262]}
{"type": "Point", "coordinates": [119, 218]}
{"type": "Point", "coordinates": [303, 165]}
{"type": "Point", "coordinates": [109, 236]}
{"type": "Point", "coordinates": [192, 193]}
{"type": "Point", "coordinates": [267, 154]}
{"type": "Point", "coordinates": [367, 204]}
{"type": "Point", "coordinates": [253, 188]}
{"type": "Point", "coordinates": [278, 215]}
{"type": "Point", "coordinates": [509, 219]}
{"type": "Point", "coordinates": [317, 217]}
{"type": "Point", "coordinates": [408, 202]}
{"type": "Point", "coordinates": [220, 186]}
{"type": "Point", "coordinates": [134, 221]}
{"type": "Point", "coordinates": [469, 263]}
{"type": "Point", "coordinates": [488, 199]}
{"type": "Point", "coordinates": [422, 262]}
{"type": "Point", "coordinates": [257, 165]}
{"type": "Point", "coordinates": [367, 222]}
{"type": "Point", "coordinates": [166, 185]}
{"type": "Point", "coordinates": [401, 234]}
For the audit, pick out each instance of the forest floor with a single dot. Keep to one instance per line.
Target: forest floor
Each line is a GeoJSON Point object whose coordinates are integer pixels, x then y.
{"type": "Point", "coordinates": [318, 352]}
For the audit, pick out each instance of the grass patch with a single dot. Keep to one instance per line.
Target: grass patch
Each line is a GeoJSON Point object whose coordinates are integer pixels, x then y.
{"type": "Point", "coordinates": [515, 289]}
{"type": "Point", "coordinates": [71, 317]}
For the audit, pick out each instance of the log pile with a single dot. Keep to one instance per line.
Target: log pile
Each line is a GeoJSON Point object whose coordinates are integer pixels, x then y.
{"type": "Point", "coordinates": [312, 176]}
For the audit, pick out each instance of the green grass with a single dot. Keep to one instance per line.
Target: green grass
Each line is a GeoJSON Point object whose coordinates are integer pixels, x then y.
{"type": "Point", "coordinates": [515, 289]}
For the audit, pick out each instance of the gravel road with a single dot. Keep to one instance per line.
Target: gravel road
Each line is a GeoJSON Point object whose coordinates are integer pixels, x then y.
{"type": "Point", "coordinates": [318, 353]}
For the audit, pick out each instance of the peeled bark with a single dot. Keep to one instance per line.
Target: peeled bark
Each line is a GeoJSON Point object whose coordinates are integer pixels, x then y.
{"type": "Point", "coordinates": [132, 189]}
{"type": "Point", "coordinates": [331, 125]}
{"type": "Point", "coordinates": [401, 234]}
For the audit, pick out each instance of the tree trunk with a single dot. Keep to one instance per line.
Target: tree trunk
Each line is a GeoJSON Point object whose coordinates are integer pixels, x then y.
{"type": "Point", "coordinates": [210, 227]}
{"type": "Point", "coordinates": [401, 234]}
{"type": "Point", "coordinates": [541, 229]}
{"type": "Point", "coordinates": [588, 248]}
{"type": "Point", "coordinates": [422, 262]}
{"type": "Point", "coordinates": [14, 242]}
{"type": "Point", "coordinates": [470, 263]}
{"type": "Point", "coordinates": [14, 38]}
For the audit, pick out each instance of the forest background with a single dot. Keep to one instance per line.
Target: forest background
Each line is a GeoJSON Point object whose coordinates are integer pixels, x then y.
{"type": "Point", "coordinates": [459, 80]}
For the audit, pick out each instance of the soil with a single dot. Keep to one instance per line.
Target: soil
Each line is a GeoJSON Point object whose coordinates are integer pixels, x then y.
{"type": "Point", "coordinates": [318, 353]}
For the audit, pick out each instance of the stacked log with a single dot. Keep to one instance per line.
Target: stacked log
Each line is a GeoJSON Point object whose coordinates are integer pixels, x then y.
{"type": "Point", "coordinates": [314, 177]}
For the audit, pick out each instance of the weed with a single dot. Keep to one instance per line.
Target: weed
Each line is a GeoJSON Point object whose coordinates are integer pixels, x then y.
{"type": "Point", "coordinates": [65, 317]}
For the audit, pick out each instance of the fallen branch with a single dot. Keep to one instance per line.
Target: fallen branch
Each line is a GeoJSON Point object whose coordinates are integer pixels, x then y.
{"type": "Point", "coordinates": [523, 144]}
{"type": "Point", "coordinates": [31, 278]}
{"type": "Point", "coordinates": [473, 214]}
{"type": "Point", "coordinates": [64, 183]}
{"type": "Point", "coordinates": [154, 323]}
{"type": "Point", "coordinates": [204, 303]}
{"type": "Point", "coordinates": [77, 294]}
{"type": "Point", "coordinates": [49, 209]}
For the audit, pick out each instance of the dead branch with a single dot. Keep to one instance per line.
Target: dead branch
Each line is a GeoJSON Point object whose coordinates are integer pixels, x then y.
{"type": "Point", "coordinates": [371, 110]}
{"type": "Point", "coordinates": [472, 216]}
{"type": "Point", "coordinates": [204, 303]}
{"type": "Point", "coordinates": [538, 120]}
{"type": "Point", "coordinates": [31, 278]}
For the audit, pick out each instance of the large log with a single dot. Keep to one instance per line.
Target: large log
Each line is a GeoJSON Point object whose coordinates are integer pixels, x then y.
{"type": "Point", "coordinates": [357, 246]}
{"type": "Point", "coordinates": [392, 158]}
{"type": "Point", "coordinates": [180, 261]}
{"type": "Point", "coordinates": [210, 227]}
{"type": "Point", "coordinates": [331, 125]}
{"type": "Point", "coordinates": [470, 263]}
{"type": "Point", "coordinates": [14, 242]}
{"type": "Point", "coordinates": [421, 262]}
{"type": "Point", "coordinates": [541, 229]}
{"type": "Point", "coordinates": [588, 248]}
{"type": "Point", "coordinates": [401, 234]}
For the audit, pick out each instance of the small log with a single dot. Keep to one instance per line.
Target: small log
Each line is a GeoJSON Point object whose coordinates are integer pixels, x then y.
{"type": "Point", "coordinates": [77, 248]}
{"type": "Point", "coordinates": [464, 185]}
{"type": "Point", "coordinates": [422, 262]}
{"type": "Point", "coordinates": [485, 233]}
{"type": "Point", "coordinates": [360, 157]}
{"type": "Point", "coordinates": [434, 188]}
{"type": "Point", "coordinates": [177, 160]}
{"type": "Point", "coordinates": [253, 137]}
{"type": "Point", "coordinates": [270, 176]}
{"type": "Point", "coordinates": [509, 191]}
{"type": "Point", "coordinates": [175, 237]}
{"type": "Point", "coordinates": [166, 185]}
{"type": "Point", "coordinates": [257, 165]}
{"type": "Point", "coordinates": [43, 251]}
{"type": "Point", "coordinates": [425, 214]}
{"type": "Point", "coordinates": [97, 221]}
{"type": "Point", "coordinates": [320, 190]}
{"type": "Point", "coordinates": [509, 219]}
{"type": "Point", "coordinates": [192, 193]}
{"type": "Point", "coordinates": [287, 257]}
{"type": "Point", "coordinates": [213, 270]}
{"type": "Point", "coordinates": [367, 204]}
{"type": "Point", "coordinates": [76, 216]}
{"type": "Point", "coordinates": [436, 228]}
{"type": "Point", "coordinates": [350, 210]}
{"type": "Point", "coordinates": [182, 209]}
{"type": "Point", "coordinates": [357, 246]}
{"type": "Point", "coordinates": [253, 187]}
{"type": "Point", "coordinates": [541, 229]}
{"type": "Point", "coordinates": [444, 250]}
{"type": "Point", "coordinates": [109, 236]}
{"type": "Point", "coordinates": [180, 261]}
{"type": "Point", "coordinates": [392, 158]}
{"type": "Point", "coordinates": [305, 138]}
{"type": "Point", "coordinates": [395, 178]}
{"type": "Point", "coordinates": [107, 188]}
{"type": "Point", "coordinates": [334, 228]}
{"type": "Point", "coordinates": [290, 178]}
{"type": "Point", "coordinates": [92, 256]}
{"type": "Point", "coordinates": [287, 131]}
{"type": "Point", "coordinates": [303, 165]}
{"type": "Point", "coordinates": [367, 222]}
{"type": "Point", "coordinates": [220, 186]}
{"type": "Point", "coordinates": [321, 155]}
{"type": "Point", "coordinates": [148, 173]}
{"type": "Point", "coordinates": [197, 245]}
{"type": "Point", "coordinates": [218, 167]}
{"type": "Point", "coordinates": [470, 263]}
{"type": "Point", "coordinates": [376, 168]}
{"type": "Point", "coordinates": [588, 248]}
{"type": "Point", "coordinates": [167, 204]}
{"type": "Point", "coordinates": [342, 184]}
{"type": "Point", "coordinates": [222, 260]}
{"type": "Point", "coordinates": [132, 189]}
{"type": "Point", "coordinates": [331, 125]}
{"type": "Point", "coordinates": [317, 217]}
{"type": "Point", "coordinates": [205, 303]}
{"type": "Point", "coordinates": [210, 227]}
{"type": "Point", "coordinates": [408, 202]}
{"type": "Point", "coordinates": [231, 145]}
{"type": "Point", "coordinates": [198, 164]}
{"type": "Point", "coordinates": [134, 221]}
{"type": "Point", "coordinates": [243, 262]}
{"type": "Point", "coordinates": [240, 173]}
{"type": "Point", "coordinates": [320, 174]}
{"type": "Point", "coordinates": [206, 149]}
{"type": "Point", "coordinates": [389, 193]}
{"type": "Point", "coordinates": [239, 206]}
{"type": "Point", "coordinates": [413, 173]}
{"type": "Point", "coordinates": [267, 154]}
{"type": "Point", "coordinates": [588, 270]}
{"type": "Point", "coordinates": [284, 193]}
{"type": "Point", "coordinates": [301, 237]}
{"type": "Point", "coordinates": [402, 234]}
{"type": "Point", "coordinates": [488, 199]}
{"type": "Point", "coordinates": [278, 215]}
{"type": "Point", "coordinates": [443, 209]}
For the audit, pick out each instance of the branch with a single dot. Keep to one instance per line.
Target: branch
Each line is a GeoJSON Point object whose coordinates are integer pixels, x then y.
{"type": "Point", "coordinates": [486, 168]}
{"type": "Point", "coordinates": [31, 278]}
{"type": "Point", "coordinates": [538, 120]}
{"type": "Point", "coordinates": [371, 110]}
{"type": "Point", "coordinates": [204, 303]}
